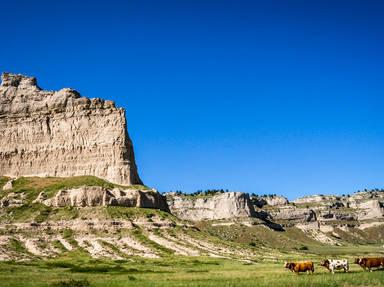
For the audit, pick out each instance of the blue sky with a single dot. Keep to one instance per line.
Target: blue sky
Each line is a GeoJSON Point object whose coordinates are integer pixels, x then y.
{"type": "Point", "coordinates": [278, 97]}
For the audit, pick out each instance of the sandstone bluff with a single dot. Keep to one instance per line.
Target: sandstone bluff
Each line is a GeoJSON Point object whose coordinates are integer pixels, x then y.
{"type": "Point", "coordinates": [60, 133]}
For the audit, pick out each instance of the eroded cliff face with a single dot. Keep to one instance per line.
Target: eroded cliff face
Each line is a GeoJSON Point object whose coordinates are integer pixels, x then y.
{"type": "Point", "coordinates": [228, 205]}
{"type": "Point", "coordinates": [88, 196]}
{"type": "Point", "coordinates": [329, 219]}
{"type": "Point", "coordinates": [327, 208]}
{"type": "Point", "coordinates": [60, 133]}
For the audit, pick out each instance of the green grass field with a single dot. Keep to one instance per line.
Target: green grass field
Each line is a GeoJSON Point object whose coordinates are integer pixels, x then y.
{"type": "Point", "coordinates": [75, 270]}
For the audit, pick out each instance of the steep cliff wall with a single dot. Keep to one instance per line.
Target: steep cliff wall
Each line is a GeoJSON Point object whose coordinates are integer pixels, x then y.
{"type": "Point", "coordinates": [227, 205]}
{"type": "Point", "coordinates": [60, 133]}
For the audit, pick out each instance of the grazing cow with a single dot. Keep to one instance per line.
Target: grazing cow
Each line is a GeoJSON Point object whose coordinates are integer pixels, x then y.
{"type": "Point", "coordinates": [306, 266]}
{"type": "Point", "coordinates": [333, 265]}
{"type": "Point", "coordinates": [369, 263]}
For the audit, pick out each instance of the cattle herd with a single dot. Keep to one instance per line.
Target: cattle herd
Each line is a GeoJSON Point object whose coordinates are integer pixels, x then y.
{"type": "Point", "coordinates": [333, 264]}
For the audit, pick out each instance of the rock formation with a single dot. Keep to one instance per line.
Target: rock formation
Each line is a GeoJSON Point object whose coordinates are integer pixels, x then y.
{"type": "Point", "coordinates": [326, 208]}
{"type": "Point", "coordinates": [60, 133]}
{"type": "Point", "coordinates": [325, 217]}
{"type": "Point", "coordinates": [87, 196]}
{"type": "Point", "coordinates": [295, 215]}
{"type": "Point", "coordinates": [272, 200]}
{"type": "Point", "coordinates": [8, 185]}
{"type": "Point", "coordinates": [226, 205]}
{"type": "Point", "coordinates": [315, 199]}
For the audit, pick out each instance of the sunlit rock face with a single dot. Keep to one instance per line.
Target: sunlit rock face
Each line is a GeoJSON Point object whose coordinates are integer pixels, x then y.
{"type": "Point", "coordinates": [60, 133]}
{"type": "Point", "coordinates": [88, 196]}
{"type": "Point", "coordinates": [228, 205]}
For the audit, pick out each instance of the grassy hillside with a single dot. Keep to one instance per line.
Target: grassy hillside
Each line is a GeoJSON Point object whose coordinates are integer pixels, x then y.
{"type": "Point", "coordinates": [34, 231]}
{"type": "Point", "coordinates": [28, 188]}
{"type": "Point", "coordinates": [290, 240]}
{"type": "Point", "coordinates": [32, 186]}
{"type": "Point", "coordinates": [120, 246]}
{"type": "Point", "coordinates": [3, 180]}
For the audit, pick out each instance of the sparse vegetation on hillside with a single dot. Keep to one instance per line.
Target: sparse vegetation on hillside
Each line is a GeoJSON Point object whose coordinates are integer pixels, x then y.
{"type": "Point", "coordinates": [28, 188]}
{"type": "Point", "coordinates": [132, 213]}
{"type": "Point", "coordinates": [32, 186]}
{"type": "Point", "coordinates": [371, 190]}
{"type": "Point", "coordinates": [201, 193]}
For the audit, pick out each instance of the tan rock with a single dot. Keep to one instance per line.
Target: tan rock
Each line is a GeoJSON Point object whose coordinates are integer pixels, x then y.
{"type": "Point", "coordinates": [315, 199]}
{"type": "Point", "coordinates": [40, 198]}
{"type": "Point", "coordinates": [370, 209]}
{"type": "Point", "coordinates": [12, 200]}
{"type": "Point", "coordinates": [272, 200]}
{"type": "Point", "coordinates": [222, 206]}
{"type": "Point", "coordinates": [87, 196]}
{"type": "Point", "coordinates": [8, 185]}
{"type": "Point", "coordinates": [60, 133]}
{"type": "Point", "coordinates": [294, 214]}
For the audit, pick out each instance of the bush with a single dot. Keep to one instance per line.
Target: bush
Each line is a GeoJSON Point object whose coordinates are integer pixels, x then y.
{"type": "Point", "coordinates": [73, 283]}
{"type": "Point", "coordinates": [303, 248]}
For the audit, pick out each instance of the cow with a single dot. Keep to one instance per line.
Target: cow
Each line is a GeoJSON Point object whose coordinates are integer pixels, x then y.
{"type": "Point", "coordinates": [369, 263]}
{"type": "Point", "coordinates": [332, 265]}
{"type": "Point", "coordinates": [297, 267]}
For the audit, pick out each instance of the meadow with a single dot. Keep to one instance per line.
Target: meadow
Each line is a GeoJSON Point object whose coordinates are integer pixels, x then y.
{"type": "Point", "coordinates": [77, 271]}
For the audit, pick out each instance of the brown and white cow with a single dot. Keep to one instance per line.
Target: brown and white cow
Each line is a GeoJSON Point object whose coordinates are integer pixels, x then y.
{"type": "Point", "coordinates": [335, 264]}
{"type": "Point", "coordinates": [369, 263]}
{"type": "Point", "coordinates": [297, 267]}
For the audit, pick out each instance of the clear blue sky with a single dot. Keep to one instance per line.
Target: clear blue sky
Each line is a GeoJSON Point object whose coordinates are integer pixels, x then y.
{"type": "Point", "coordinates": [278, 97]}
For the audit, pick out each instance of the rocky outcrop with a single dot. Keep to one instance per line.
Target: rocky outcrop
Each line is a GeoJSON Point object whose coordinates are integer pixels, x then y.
{"type": "Point", "coordinates": [370, 209]}
{"type": "Point", "coordinates": [60, 133]}
{"type": "Point", "coordinates": [275, 200]}
{"type": "Point", "coordinates": [99, 196]}
{"type": "Point", "coordinates": [272, 200]}
{"type": "Point", "coordinates": [295, 215]}
{"type": "Point", "coordinates": [12, 200]}
{"type": "Point", "coordinates": [340, 215]}
{"type": "Point", "coordinates": [226, 205]}
{"type": "Point", "coordinates": [320, 215]}
{"type": "Point", "coordinates": [315, 199]}
{"type": "Point", "coordinates": [8, 185]}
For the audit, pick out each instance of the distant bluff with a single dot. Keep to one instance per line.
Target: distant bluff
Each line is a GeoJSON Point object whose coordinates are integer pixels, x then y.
{"type": "Point", "coordinates": [227, 205]}
{"type": "Point", "coordinates": [60, 133]}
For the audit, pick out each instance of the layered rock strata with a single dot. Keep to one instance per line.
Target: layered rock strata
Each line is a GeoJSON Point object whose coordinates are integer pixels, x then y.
{"type": "Point", "coordinates": [60, 133]}
{"type": "Point", "coordinates": [88, 196]}
{"type": "Point", "coordinates": [222, 206]}
{"type": "Point", "coordinates": [325, 208]}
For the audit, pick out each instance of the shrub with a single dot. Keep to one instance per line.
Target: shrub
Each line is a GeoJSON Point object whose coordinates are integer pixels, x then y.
{"type": "Point", "coordinates": [303, 248]}
{"type": "Point", "coordinates": [73, 283]}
